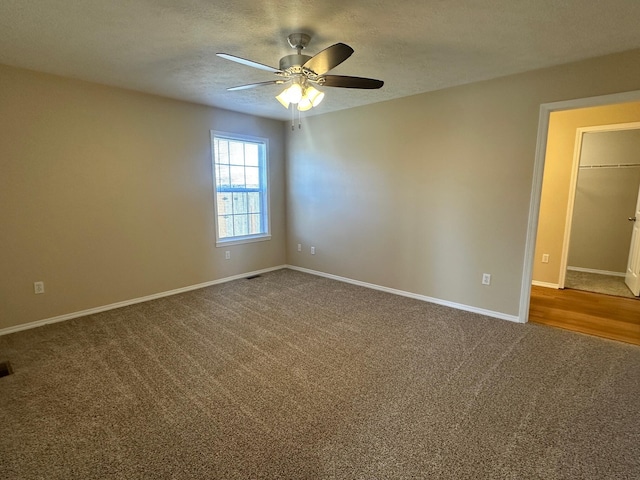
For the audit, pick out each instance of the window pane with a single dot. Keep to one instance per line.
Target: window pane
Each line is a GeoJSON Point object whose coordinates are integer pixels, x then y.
{"type": "Point", "coordinates": [225, 226]}
{"type": "Point", "coordinates": [251, 155]}
{"type": "Point", "coordinates": [223, 178]}
{"type": "Point", "coordinates": [224, 204]}
{"type": "Point", "coordinates": [239, 203]}
{"type": "Point", "coordinates": [254, 202]}
{"type": "Point", "coordinates": [240, 225]}
{"type": "Point", "coordinates": [222, 151]}
{"type": "Point", "coordinates": [236, 153]}
{"type": "Point", "coordinates": [252, 176]}
{"type": "Point", "coordinates": [254, 224]}
{"type": "Point", "coordinates": [237, 176]}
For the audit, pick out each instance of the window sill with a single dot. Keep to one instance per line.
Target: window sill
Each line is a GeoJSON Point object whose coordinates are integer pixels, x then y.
{"type": "Point", "coordinates": [240, 240]}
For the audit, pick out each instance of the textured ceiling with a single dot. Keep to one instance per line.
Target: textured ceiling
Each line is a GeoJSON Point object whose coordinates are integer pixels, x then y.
{"type": "Point", "coordinates": [167, 47]}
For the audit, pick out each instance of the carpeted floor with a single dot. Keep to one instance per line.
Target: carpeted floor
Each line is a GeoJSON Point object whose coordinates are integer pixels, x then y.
{"type": "Point", "coordinates": [300, 377]}
{"type": "Point", "coordinates": [595, 282]}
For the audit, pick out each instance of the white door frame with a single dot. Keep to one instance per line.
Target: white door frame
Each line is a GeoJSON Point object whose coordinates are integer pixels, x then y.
{"type": "Point", "coordinates": [577, 152]}
{"type": "Point", "coordinates": [536, 187]}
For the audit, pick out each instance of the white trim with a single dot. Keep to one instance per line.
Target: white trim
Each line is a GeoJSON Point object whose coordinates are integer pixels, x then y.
{"type": "Point", "coordinates": [242, 240]}
{"type": "Point", "coordinates": [545, 284]}
{"type": "Point", "coordinates": [538, 170]}
{"type": "Point", "coordinates": [446, 303]}
{"type": "Point", "coordinates": [112, 306]}
{"type": "Point", "coordinates": [599, 272]}
{"type": "Point", "coordinates": [534, 213]}
{"type": "Point", "coordinates": [568, 221]}
{"type": "Point", "coordinates": [611, 127]}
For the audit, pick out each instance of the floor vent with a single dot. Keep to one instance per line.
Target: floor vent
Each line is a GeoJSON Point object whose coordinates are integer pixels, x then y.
{"type": "Point", "coordinates": [253, 276]}
{"type": "Point", "coordinates": [5, 369]}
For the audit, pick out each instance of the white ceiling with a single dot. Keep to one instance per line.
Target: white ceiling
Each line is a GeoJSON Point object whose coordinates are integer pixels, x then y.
{"type": "Point", "coordinates": [168, 47]}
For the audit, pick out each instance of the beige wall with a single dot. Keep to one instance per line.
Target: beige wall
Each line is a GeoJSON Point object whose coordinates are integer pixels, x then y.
{"type": "Point", "coordinates": [605, 198]}
{"type": "Point", "coordinates": [557, 179]}
{"type": "Point", "coordinates": [426, 193]}
{"type": "Point", "coordinates": [106, 195]}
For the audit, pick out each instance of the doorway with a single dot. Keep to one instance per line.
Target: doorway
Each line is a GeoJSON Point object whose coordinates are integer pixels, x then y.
{"type": "Point", "coordinates": [599, 219]}
{"type": "Point", "coordinates": [536, 191]}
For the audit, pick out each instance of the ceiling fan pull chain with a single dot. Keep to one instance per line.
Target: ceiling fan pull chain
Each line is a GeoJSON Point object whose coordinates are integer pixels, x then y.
{"type": "Point", "coordinates": [293, 118]}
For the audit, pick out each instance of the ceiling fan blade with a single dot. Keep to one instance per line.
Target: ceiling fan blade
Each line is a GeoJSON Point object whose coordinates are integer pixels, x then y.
{"type": "Point", "coordinates": [253, 85]}
{"type": "Point", "coordinates": [350, 82]}
{"type": "Point", "coordinates": [329, 58]}
{"type": "Point", "coordinates": [248, 63]}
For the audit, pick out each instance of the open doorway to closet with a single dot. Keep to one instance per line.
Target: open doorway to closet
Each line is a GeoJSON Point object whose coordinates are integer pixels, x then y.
{"type": "Point", "coordinates": [602, 218]}
{"type": "Point", "coordinates": [595, 144]}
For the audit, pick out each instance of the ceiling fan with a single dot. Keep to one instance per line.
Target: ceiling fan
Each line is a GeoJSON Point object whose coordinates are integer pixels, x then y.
{"type": "Point", "coordinates": [302, 73]}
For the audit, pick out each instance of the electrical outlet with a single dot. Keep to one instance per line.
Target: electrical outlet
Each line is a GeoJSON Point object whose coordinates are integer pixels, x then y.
{"type": "Point", "coordinates": [38, 287]}
{"type": "Point", "coordinates": [313, 250]}
{"type": "Point", "coordinates": [227, 255]}
{"type": "Point", "coordinates": [486, 279]}
{"type": "Point", "coordinates": [545, 258]}
{"type": "Point", "coordinates": [299, 247]}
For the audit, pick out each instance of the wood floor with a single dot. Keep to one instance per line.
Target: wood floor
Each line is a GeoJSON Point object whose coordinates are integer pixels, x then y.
{"type": "Point", "coordinates": [605, 316]}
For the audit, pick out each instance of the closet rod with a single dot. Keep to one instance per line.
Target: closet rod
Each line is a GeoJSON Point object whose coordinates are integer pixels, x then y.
{"type": "Point", "coordinates": [620, 165]}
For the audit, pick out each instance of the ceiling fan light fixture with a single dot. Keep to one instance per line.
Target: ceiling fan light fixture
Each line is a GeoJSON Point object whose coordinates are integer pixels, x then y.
{"type": "Point", "coordinates": [305, 97]}
{"type": "Point", "coordinates": [282, 99]}
{"type": "Point", "coordinates": [293, 94]}
{"type": "Point", "coordinates": [314, 95]}
{"type": "Point", "coordinates": [305, 104]}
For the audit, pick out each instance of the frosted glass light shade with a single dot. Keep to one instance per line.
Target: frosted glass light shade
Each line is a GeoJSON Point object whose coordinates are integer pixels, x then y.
{"type": "Point", "coordinates": [283, 101]}
{"type": "Point", "coordinates": [305, 104]}
{"type": "Point", "coordinates": [315, 96]}
{"type": "Point", "coordinates": [294, 93]}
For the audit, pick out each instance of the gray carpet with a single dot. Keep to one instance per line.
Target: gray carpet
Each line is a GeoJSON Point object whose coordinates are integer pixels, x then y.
{"type": "Point", "coordinates": [595, 282]}
{"type": "Point", "coordinates": [300, 377]}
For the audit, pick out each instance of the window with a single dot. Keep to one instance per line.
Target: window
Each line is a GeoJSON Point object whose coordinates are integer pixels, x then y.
{"type": "Point", "coordinates": [240, 182]}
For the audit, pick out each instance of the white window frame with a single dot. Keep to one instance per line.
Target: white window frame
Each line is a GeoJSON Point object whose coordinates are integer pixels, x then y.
{"type": "Point", "coordinates": [263, 148]}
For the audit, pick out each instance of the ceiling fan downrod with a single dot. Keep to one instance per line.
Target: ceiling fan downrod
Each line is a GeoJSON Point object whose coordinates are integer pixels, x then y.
{"type": "Point", "coordinates": [292, 64]}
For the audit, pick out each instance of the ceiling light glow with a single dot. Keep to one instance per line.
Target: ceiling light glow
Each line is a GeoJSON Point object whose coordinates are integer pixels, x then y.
{"type": "Point", "coordinates": [303, 95]}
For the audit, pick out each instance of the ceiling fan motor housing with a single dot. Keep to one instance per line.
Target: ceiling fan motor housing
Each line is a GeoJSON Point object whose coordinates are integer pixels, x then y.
{"type": "Point", "coordinates": [295, 61]}
{"type": "Point", "coordinates": [292, 64]}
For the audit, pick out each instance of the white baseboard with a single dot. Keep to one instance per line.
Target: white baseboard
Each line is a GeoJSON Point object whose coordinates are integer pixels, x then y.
{"type": "Point", "coordinates": [112, 306]}
{"type": "Point", "coordinates": [545, 284]}
{"type": "Point", "coordinates": [446, 303]}
{"type": "Point", "coordinates": [91, 311]}
{"type": "Point", "coordinates": [599, 272]}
